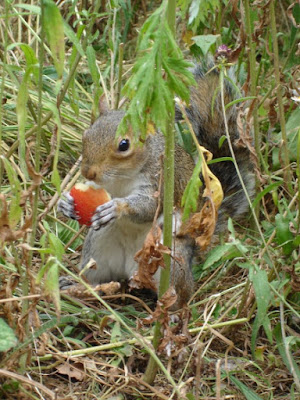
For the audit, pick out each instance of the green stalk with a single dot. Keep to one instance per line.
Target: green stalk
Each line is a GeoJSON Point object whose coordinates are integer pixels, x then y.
{"type": "Point", "coordinates": [3, 58]}
{"type": "Point", "coordinates": [26, 274]}
{"type": "Point", "coordinates": [168, 204]}
{"type": "Point", "coordinates": [286, 158]}
{"type": "Point", "coordinates": [298, 174]}
{"type": "Point", "coordinates": [253, 83]}
{"type": "Point", "coordinates": [171, 15]}
{"type": "Point", "coordinates": [120, 70]}
{"type": "Point", "coordinates": [38, 134]}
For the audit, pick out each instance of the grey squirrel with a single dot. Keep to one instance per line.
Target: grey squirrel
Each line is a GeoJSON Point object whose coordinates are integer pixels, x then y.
{"type": "Point", "coordinates": [131, 173]}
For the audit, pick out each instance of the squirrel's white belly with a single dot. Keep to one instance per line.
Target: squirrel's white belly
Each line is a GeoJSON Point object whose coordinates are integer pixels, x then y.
{"type": "Point", "coordinates": [113, 248]}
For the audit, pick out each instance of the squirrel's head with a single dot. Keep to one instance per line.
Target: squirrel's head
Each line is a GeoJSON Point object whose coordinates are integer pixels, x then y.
{"type": "Point", "coordinates": [106, 158]}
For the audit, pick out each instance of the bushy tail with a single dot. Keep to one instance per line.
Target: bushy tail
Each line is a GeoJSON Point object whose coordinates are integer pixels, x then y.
{"type": "Point", "coordinates": [206, 116]}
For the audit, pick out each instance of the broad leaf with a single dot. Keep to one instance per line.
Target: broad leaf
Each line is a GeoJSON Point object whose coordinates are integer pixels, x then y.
{"type": "Point", "coordinates": [263, 296]}
{"type": "Point", "coordinates": [54, 28]}
{"type": "Point", "coordinates": [7, 336]}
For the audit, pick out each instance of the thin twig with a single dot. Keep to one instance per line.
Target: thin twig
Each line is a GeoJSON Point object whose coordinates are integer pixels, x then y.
{"type": "Point", "coordinates": [30, 382]}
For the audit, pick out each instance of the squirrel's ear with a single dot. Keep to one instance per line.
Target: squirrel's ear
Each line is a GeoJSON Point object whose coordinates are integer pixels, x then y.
{"type": "Point", "coordinates": [103, 105]}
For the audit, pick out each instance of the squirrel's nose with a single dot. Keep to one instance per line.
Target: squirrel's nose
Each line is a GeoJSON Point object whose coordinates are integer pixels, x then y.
{"type": "Point", "coordinates": [89, 173]}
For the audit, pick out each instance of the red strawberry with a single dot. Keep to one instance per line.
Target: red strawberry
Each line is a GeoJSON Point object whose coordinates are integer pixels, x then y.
{"type": "Point", "coordinates": [86, 200]}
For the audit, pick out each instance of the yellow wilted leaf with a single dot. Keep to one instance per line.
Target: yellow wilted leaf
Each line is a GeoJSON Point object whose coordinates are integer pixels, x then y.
{"type": "Point", "coordinates": [187, 37]}
{"type": "Point", "coordinates": [151, 128]}
{"type": "Point", "coordinates": [213, 187]}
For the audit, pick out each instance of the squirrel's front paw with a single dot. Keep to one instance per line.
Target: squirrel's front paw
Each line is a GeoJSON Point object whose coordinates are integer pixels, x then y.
{"type": "Point", "coordinates": [66, 206]}
{"type": "Point", "coordinates": [105, 214]}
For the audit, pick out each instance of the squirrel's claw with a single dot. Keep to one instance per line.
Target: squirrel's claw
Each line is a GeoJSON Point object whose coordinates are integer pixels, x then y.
{"type": "Point", "coordinates": [66, 206]}
{"type": "Point", "coordinates": [104, 214]}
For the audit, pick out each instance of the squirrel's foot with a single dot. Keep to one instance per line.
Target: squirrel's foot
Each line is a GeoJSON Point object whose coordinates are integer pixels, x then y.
{"type": "Point", "coordinates": [104, 214]}
{"type": "Point", "coordinates": [66, 206]}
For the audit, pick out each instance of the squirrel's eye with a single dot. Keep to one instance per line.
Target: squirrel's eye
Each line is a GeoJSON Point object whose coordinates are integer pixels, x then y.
{"type": "Point", "coordinates": [124, 145]}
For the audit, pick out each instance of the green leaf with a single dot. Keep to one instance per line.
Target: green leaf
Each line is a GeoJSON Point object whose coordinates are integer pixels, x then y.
{"type": "Point", "coordinates": [199, 10]}
{"type": "Point", "coordinates": [65, 234]}
{"type": "Point", "coordinates": [248, 393]}
{"type": "Point", "coordinates": [159, 73]}
{"type": "Point", "coordinates": [22, 117]}
{"type": "Point", "coordinates": [7, 336]}
{"type": "Point", "coordinates": [263, 297]}
{"type": "Point", "coordinates": [190, 396]}
{"type": "Point", "coordinates": [30, 7]}
{"type": "Point", "coordinates": [31, 60]}
{"type": "Point", "coordinates": [292, 130]}
{"type": "Point", "coordinates": [191, 193]}
{"type": "Point", "coordinates": [91, 58]}
{"type": "Point", "coordinates": [51, 283]}
{"type": "Point", "coordinates": [73, 38]}
{"type": "Point", "coordinates": [205, 42]}
{"type": "Point", "coordinates": [56, 246]}
{"type": "Point", "coordinates": [55, 179]}
{"type": "Point", "coordinates": [228, 250]}
{"type": "Point", "coordinates": [54, 28]}
{"type": "Point", "coordinates": [116, 333]}
{"type": "Point", "coordinates": [283, 349]}
{"type": "Point", "coordinates": [194, 10]}
{"type": "Point", "coordinates": [266, 190]}
{"type": "Point", "coordinates": [43, 270]}
{"type": "Point", "coordinates": [15, 210]}
{"type": "Point", "coordinates": [29, 55]}
{"type": "Point", "coordinates": [222, 140]}
{"type": "Point", "coordinates": [284, 236]}
{"type": "Point", "coordinates": [126, 350]}
{"type": "Point", "coordinates": [239, 100]}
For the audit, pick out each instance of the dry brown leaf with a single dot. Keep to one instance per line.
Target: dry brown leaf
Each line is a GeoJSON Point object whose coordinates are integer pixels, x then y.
{"type": "Point", "coordinates": [78, 290]}
{"type": "Point", "coordinates": [164, 304]}
{"type": "Point", "coordinates": [174, 337]}
{"type": "Point", "coordinates": [272, 113]}
{"type": "Point", "coordinates": [201, 226]}
{"type": "Point", "coordinates": [109, 288]}
{"type": "Point", "coordinates": [71, 372]}
{"type": "Point", "coordinates": [172, 342]}
{"type": "Point", "coordinates": [295, 278]}
{"type": "Point", "coordinates": [149, 259]}
{"type": "Point", "coordinates": [6, 233]}
{"type": "Point", "coordinates": [160, 313]}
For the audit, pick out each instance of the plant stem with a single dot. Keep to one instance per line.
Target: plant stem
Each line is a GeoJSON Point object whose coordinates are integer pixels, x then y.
{"type": "Point", "coordinates": [298, 174]}
{"type": "Point", "coordinates": [168, 204]}
{"type": "Point", "coordinates": [120, 70]}
{"type": "Point", "coordinates": [286, 159]}
{"type": "Point", "coordinates": [38, 134]}
{"type": "Point", "coordinates": [3, 57]}
{"type": "Point", "coordinates": [26, 275]}
{"type": "Point", "coordinates": [253, 89]}
{"type": "Point", "coordinates": [171, 15]}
